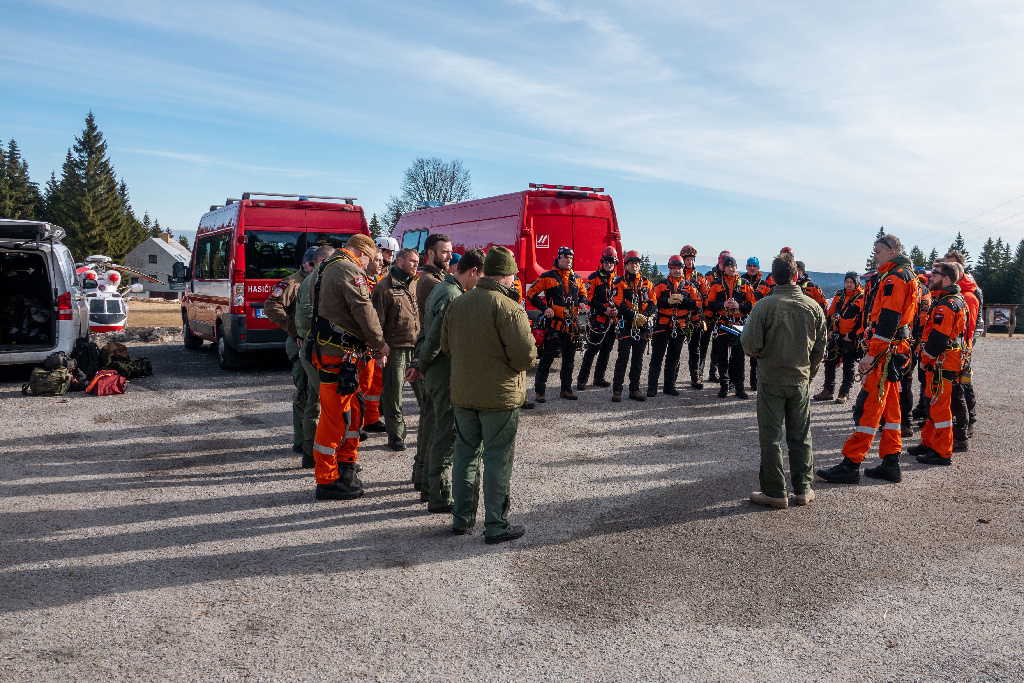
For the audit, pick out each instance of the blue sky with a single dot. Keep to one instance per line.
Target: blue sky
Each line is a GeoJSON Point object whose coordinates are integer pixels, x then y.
{"type": "Point", "coordinates": [727, 125]}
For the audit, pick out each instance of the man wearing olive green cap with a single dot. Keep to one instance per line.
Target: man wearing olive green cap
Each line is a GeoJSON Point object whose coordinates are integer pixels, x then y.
{"type": "Point", "coordinates": [487, 335]}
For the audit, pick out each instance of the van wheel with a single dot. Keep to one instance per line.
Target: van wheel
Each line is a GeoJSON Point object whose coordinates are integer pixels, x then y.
{"type": "Point", "coordinates": [192, 342]}
{"type": "Point", "coordinates": [228, 357]}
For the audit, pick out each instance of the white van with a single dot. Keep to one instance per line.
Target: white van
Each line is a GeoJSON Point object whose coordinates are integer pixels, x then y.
{"type": "Point", "coordinates": [42, 307]}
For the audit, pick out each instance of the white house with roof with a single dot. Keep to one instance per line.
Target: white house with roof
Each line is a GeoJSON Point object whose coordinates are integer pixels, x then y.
{"type": "Point", "coordinates": [156, 257]}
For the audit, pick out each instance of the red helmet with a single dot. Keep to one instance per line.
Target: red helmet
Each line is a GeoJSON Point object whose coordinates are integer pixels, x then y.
{"type": "Point", "coordinates": [688, 251]}
{"type": "Point", "coordinates": [609, 255]}
{"type": "Point", "coordinates": [675, 261]}
{"type": "Point", "coordinates": [786, 250]}
{"type": "Point", "coordinates": [721, 257]}
{"type": "Point", "coordinates": [631, 256]}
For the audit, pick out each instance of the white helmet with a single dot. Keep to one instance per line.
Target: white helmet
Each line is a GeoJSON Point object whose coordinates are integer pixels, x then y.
{"type": "Point", "coordinates": [389, 243]}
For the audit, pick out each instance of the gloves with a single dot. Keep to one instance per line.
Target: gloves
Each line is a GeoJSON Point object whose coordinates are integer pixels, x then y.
{"type": "Point", "coordinates": [675, 299]}
{"type": "Point", "coordinates": [641, 319]}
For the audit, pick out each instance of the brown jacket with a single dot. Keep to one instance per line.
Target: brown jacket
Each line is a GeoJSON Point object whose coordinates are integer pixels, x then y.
{"type": "Point", "coordinates": [396, 309]}
{"type": "Point", "coordinates": [280, 305]}
{"type": "Point", "coordinates": [429, 278]}
{"type": "Point", "coordinates": [345, 300]}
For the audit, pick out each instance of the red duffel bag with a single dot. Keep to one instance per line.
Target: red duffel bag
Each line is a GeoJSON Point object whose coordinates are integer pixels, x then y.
{"type": "Point", "coordinates": [105, 383]}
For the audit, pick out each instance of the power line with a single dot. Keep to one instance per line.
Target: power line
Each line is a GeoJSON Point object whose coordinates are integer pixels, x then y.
{"type": "Point", "coordinates": [983, 213]}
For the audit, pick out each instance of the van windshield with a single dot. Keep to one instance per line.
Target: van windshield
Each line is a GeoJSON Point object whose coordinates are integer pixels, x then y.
{"type": "Point", "coordinates": [276, 254]}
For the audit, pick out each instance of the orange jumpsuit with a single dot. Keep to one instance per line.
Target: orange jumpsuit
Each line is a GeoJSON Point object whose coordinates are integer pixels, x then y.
{"type": "Point", "coordinates": [942, 356]}
{"type": "Point", "coordinates": [893, 308]}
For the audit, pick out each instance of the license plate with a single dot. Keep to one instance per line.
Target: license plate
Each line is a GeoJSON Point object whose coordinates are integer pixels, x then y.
{"type": "Point", "coordinates": [258, 313]}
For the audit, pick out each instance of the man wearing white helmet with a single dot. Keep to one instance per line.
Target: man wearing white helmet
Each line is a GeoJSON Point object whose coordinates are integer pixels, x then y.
{"type": "Point", "coordinates": [387, 246]}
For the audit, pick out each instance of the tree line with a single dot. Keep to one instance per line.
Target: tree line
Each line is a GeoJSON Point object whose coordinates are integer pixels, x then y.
{"type": "Point", "coordinates": [88, 200]}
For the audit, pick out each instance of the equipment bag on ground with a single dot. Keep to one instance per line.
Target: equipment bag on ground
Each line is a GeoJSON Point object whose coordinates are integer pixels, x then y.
{"type": "Point", "coordinates": [87, 354]}
{"type": "Point", "coordinates": [43, 382]}
{"type": "Point", "coordinates": [132, 368]}
{"type": "Point", "coordinates": [105, 383]}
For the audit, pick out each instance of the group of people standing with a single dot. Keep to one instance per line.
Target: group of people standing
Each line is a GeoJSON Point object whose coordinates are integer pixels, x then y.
{"type": "Point", "coordinates": [360, 324]}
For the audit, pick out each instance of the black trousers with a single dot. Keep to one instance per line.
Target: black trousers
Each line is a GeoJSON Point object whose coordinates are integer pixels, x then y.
{"type": "Point", "coordinates": [698, 350]}
{"type": "Point", "coordinates": [665, 347]}
{"type": "Point", "coordinates": [599, 347]}
{"type": "Point", "coordinates": [753, 373]}
{"type": "Point", "coordinates": [958, 404]}
{"type": "Point", "coordinates": [727, 351]}
{"type": "Point", "coordinates": [631, 353]}
{"type": "Point", "coordinates": [555, 342]}
{"type": "Point", "coordinates": [848, 360]}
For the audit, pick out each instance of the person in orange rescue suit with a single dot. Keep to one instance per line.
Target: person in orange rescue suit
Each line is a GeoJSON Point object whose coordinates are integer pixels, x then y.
{"type": "Point", "coordinates": [942, 354]}
{"type": "Point", "coordinates": [753, 277]}
{"type": "Point", "coordinates": [602, 321]}
{"type": "Point", "coordinates": [845, 319]}
{"type": "Point", "coordinates": [371, 376]}
{"type": "Point", "coordinates": [968, 285]}
{"type": "Point", "coordinates": [924, 304]}
{"type": "Point", "coordinates": [765, 288]}
{"type": "Point", "coordinates": [893, 306]}
{"type": "Point", "coordinates": [635, 304]}
{"type": "Point", "coordinates": [559, 294]}
{"type": "Point", "coordinates": [696, 331]}
{"type": "Point", "coordinates": [963, 392]}
{"type": "Point", "coordinates": [677, 301]}
{"type": "Point", "coordinates": [729, 301]}
{"type": "Point", "coordinates": [344, 329]}
{"type": "Point", "coordinates": [709, 278]}
{"type": "Point", "coordinates": [810, 289]}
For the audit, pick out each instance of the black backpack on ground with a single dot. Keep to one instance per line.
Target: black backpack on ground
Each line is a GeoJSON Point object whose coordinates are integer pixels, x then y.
{"type": "Point", "coordinates": [87, 355]}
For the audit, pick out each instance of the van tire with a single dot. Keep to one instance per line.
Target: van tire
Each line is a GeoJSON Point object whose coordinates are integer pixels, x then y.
{"type": "Point", "coordinates": [228, 357]}
{"type": "Point", "coordinates": [192, 342]}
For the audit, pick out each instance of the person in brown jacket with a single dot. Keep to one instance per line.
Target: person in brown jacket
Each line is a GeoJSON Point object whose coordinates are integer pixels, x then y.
{"type": "Point", "coordinates": [344, 330]}
{"type": "Point", "coordinates": [398, 313]}
{"type": "Point", "coordinates": [280, 310]}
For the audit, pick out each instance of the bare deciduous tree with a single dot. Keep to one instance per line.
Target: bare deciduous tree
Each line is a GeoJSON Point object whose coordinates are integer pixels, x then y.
{"type": "Point", "coordinates": [429, 180]}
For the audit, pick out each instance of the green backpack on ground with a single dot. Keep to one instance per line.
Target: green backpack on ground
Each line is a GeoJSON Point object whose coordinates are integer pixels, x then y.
{"type": "Point", "coordinates": [45, 382]}
{"type": "Point", "coordinates": [132, 368]}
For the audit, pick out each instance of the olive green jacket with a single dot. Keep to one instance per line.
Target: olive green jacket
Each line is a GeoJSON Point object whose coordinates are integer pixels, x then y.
{"type": "Point", "coordinates": [428, 345]}
{"type": "Point", "coordinates": [786, 331]}
{"type": "Point", "coordinates": [487, 336]}
{"type": "Point", "coordinates": [304, 308]}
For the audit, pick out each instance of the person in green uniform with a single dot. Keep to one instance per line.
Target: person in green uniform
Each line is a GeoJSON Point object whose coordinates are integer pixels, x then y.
{"type": "Point", "coordinates": [303, 319]}
{"type": "Point", "coordinates": [786, 331]}
{"type": "Point", "coordinates": [487, 336]}
{"type": "Point", "coordinates": [437, 375]}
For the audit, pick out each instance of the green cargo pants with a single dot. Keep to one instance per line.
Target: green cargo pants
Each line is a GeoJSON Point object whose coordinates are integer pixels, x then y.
{"type": "Point", "coordinates": [487, 436]}
{"type": "Point", "coordinates": [423, 436]}
{"type": "Point", "coordinates": [301, 390]}
{"type": "Point", "coordinates": [311, 413]}
{"type": "Point", "coordinates": [439, 437]}
{"type": "Point", "coordinates": [391, 393]}
{"type": "Point", "coordinates": [779, 406]}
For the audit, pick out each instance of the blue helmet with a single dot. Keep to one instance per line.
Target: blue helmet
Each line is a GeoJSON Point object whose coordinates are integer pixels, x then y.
{"type": "Point", "coordinates": [752, 261]}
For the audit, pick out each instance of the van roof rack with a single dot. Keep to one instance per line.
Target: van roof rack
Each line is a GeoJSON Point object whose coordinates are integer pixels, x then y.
{"type": "Point", "coordinates": [577, 188]}
{"type": "Point", "coordinates": [300, 197]}
{"type": "Point", "coordinates": [35, 231]}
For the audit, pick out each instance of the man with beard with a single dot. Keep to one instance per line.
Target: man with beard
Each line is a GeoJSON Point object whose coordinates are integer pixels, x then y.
{"type": "Point", "coordinates": [942, 355]}
{"type": "Point", "coordinates": [558, 293]}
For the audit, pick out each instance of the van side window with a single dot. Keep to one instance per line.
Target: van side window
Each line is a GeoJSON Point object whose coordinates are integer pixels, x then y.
{"type": "Point", "coordinates": [201, 270]}
{"type": "Point", "coordinates": [414, 239]}
{"type": "Point", "coordinates": [219, 256]}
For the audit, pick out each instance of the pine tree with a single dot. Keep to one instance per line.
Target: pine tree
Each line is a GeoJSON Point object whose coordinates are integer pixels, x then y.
{"type": "Point", "coordinates": [869, 265]}
{"type": "Point", "coordinates": [19, 196]}
{"type": "Point", "coordinates": [183, 241]}
{"type": "Point", "coordinates": [132, 232]}
{"type": "Point", "coordinates": [917, 257]}
{"type": "Point", "coordinates": [87, 202]}
{"type": "Point", "coordinates": [656, 275]}
{"type": "Point", "coordinates": [961, 246]}
{"type": "Point", "coordinates": [932, 257]}
{"type": "Point", "coordinates": [376, 229]}
{"type": "Point", "coordinates": [147, 224]}
{"type": "Point", "coordinates": [987, 271]}
{"type": "Point", "coordinates": [1016, 279]}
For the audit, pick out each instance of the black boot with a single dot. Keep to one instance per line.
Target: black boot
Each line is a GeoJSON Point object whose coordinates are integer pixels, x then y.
{"type": "Point", "coordinates": [740, 393]}
{"type": "Point", "coordinates": [602, 382]}
{"type": "Point", "coordinates": [724, 391]}
{"type": "Point", "coordinates": [919, 449]}
{"type": "Point", "coordinates": [652, 391]}
{"type": "Point", "coordinates": [339, 489]}
{"type": "Point", "coordinates": [694, 382]}
{"type": "Point", "coordinates": [347, 474]}
{"type": "Point", "coordinates": [670, 390]}
{"type": "Point", "coordinates": [888, 470]}
{"type": "Point", "coordinates": [846, 472]}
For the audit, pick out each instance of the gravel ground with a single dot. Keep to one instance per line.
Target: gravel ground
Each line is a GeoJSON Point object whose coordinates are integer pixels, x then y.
{"type": "Point", "coordinates": [167, 534]}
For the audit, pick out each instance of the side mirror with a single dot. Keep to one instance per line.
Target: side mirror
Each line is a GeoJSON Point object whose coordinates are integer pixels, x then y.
{"type": "Point", "coordinates": [137, 287]}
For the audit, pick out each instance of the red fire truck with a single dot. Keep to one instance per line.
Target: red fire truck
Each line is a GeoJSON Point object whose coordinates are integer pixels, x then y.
{"type": "Point", "coordinates": [533, 224]}
{"type": "Point", "coordinates": [242, 249]}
